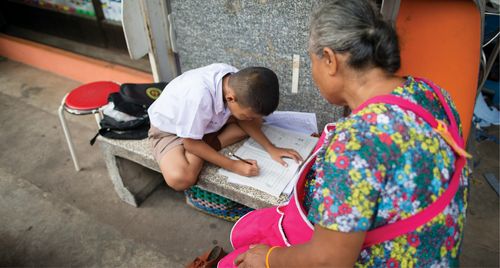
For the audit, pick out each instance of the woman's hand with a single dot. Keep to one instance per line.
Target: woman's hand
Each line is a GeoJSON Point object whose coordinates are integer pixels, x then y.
{"type": "Point", "coordinates": [245, 169]}
{"type": "Point", "coordinates": [254, 257]}
{"type": "Point", "coordinates": [278, 153]}
{"type": "Point", "coordinates": [326, 248]}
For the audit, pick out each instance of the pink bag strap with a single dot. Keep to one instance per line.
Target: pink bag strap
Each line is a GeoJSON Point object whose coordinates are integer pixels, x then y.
{"type": "Point", "coordinates": [393, 230]}
{"type": "Point", "coordinates": [452, 137]}
{"type": "Point", "coordinates": [411, 106]}
{"type": "Point", "coordinates": [453, 122]}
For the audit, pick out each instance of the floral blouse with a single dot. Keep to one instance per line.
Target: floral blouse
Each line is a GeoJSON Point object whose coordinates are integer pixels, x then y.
{"type": "Point", "coordinates": [384, 164]}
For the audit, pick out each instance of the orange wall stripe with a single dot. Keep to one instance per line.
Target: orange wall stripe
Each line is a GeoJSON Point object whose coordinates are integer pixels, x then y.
{"type": "Point", "coordinates": [67, 64]}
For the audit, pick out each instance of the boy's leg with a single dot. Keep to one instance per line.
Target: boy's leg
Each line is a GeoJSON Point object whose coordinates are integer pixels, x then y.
{"type": "Point", "coordinates": [180, 168]}
{"type": "Point", "coordinates": [231, 134]}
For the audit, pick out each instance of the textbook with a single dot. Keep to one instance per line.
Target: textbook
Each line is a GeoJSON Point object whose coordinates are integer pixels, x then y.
{"type": "Point", "coordinates": [273, 177]}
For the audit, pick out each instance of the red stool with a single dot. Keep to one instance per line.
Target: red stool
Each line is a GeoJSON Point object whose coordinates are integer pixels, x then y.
{"type": "Point", "coordinates": [83, 100]}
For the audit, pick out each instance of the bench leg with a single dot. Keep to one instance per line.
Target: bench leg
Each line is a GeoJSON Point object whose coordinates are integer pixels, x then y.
{"type": "Point", "coordinates": [132, 182]}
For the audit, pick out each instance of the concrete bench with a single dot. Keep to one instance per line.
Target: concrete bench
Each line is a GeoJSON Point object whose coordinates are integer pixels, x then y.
{"type": "Point", "coordinates": [131, 167]}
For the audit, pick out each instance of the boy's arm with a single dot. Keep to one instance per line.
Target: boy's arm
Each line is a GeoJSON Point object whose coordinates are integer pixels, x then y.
{"type": "Point", "coordinates": [253, 129]}
{"type": "Point", "coordinates": [207, 153]}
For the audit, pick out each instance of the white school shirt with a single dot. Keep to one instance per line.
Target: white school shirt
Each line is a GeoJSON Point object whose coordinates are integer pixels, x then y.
{"type": "Point", "coordinates": [192, 105]}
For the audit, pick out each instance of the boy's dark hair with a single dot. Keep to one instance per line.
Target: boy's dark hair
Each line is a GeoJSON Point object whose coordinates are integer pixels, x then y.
{"type": "Point", "coordinates": [257, 88]}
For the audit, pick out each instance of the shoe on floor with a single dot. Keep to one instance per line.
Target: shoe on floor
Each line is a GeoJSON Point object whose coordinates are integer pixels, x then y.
{"type": "Point", "coordinates": [209, 259]}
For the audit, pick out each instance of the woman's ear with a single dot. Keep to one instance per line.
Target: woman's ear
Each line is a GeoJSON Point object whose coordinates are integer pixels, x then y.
{"type": "Point", "coordinates": [330, 60]}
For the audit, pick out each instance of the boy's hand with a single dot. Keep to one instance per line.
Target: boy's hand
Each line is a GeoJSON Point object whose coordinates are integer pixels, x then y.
{"type": "Point", "coordinates": [277, 154]}
{"type": "Point", "coordinates": [244, 169]}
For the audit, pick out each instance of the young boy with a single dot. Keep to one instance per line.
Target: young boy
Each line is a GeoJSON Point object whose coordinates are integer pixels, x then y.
{"type": "Point", "coordinates": [209, 108]}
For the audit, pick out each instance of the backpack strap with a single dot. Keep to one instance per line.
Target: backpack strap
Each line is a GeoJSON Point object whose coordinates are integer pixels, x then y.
{"type": "Point", "coordinates": [452, 137]}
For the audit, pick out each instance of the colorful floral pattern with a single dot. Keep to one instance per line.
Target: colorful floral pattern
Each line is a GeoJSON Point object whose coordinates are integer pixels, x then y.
{"type": "Point", "coordinates": [384, 164]}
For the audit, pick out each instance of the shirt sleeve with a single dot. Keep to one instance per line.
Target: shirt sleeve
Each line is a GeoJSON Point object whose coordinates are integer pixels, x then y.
{"type": "Point", "coordinates": [195, 114]}
{"type": "Point", "coordinates": [350, 178]}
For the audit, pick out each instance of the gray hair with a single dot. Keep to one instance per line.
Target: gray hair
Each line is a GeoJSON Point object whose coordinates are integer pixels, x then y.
{"type": "Point", "coordinates": [357, 28]}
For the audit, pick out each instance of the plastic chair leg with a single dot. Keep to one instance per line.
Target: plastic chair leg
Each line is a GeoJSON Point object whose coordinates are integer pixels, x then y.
{"type": "Point", "coordinates": [98, 118]}
{"type": "Point", "coordinates": [67, 134]}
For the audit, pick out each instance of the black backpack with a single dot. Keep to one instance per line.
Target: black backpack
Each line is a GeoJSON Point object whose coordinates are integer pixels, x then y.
{"type": "Point", "coordinates": [126, 117]}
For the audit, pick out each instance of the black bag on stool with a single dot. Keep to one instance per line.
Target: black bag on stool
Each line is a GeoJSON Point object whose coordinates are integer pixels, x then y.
{"type": "Point", "coordinates": [125, 117]}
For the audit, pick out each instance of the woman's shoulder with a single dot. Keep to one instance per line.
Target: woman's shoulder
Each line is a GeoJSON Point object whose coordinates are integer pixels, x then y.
{"type": "Point", "coordinates": [386, 116]}
{"type": "Point", "coordinates": [423, 92]}
{"type": "Point", "coordinates": [374, 118]}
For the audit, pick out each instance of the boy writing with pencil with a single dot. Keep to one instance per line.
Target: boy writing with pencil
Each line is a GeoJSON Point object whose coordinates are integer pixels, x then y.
{"type": "Point", "coordinates": [209, 108]}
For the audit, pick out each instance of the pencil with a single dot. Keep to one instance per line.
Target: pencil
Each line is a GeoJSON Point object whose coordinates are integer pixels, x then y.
{"type": "Point", "coordinates": [239, 158]}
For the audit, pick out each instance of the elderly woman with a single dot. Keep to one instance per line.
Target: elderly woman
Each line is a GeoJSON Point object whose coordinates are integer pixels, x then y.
{"type": "Point", "coordinates": [387, 185]}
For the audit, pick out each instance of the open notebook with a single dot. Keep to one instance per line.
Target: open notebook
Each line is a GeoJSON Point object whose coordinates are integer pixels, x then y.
{"type": "Point", "coordinates": [273, 177]}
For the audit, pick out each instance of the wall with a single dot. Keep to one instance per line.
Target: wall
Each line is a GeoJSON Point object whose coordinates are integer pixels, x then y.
{"type": "Point", "coordinates": [248, 33]}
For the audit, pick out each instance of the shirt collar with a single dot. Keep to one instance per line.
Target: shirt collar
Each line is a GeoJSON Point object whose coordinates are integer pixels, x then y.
{"type": "Point", "coordinates": [219, 96]}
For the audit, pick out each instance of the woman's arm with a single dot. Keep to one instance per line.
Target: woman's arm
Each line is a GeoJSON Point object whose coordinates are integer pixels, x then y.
{"type": "Point", "coordinates": [327, 248]}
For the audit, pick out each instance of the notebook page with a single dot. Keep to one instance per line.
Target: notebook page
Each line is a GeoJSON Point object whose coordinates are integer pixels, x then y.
{"type": "Point", "coordinates": [302, 143]}
{"type": "Point", "coordinates": [273, 177]}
